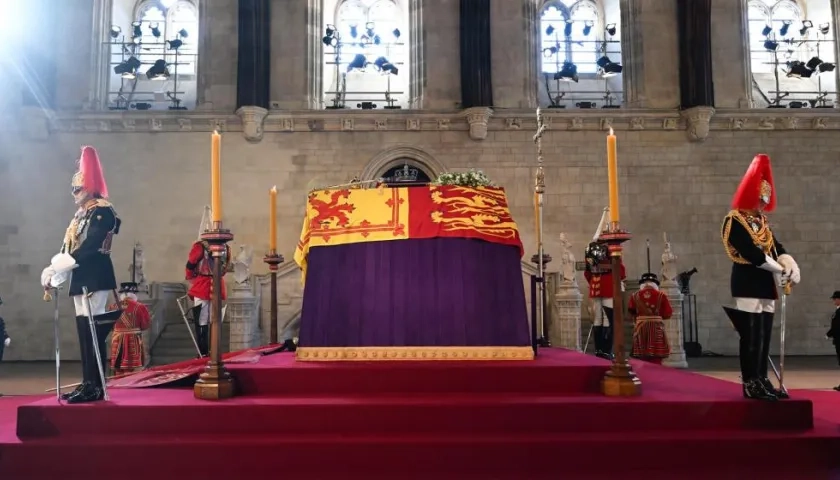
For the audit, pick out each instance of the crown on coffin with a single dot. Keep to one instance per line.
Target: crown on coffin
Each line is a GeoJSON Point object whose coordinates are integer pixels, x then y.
{"type": "Point", "coordinates": [406, 174]}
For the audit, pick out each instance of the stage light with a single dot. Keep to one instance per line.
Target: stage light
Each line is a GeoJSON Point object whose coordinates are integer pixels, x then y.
{"type": "Point", "coordinates": [376, 40]}
{"type": "Point", "coordinates": [767, 30]}
{"type": "Point", "coordinates": [396, 33]}
{"type": "Point", "coordinates": [155, 29]}
{"type": "Point", "coordinates": [813, 63]}
{"type": "Point", "coordinates": [158, 71]}
{"type": "Point", "coordinates": [785, 27]}
{"type": "Point", "coordinates": [585, 105]}
{"type": "Point", "coordinates": [330, 38]}
{"type": "Point", "coordinates": [824, 27]}
{"type": "Point", "coordinates": [142, 106]}
{"type": "Point", "coordinates": [174, 44]}
{"type": "Point", "coordinates": [366, 105]}
{"type": "Point", "coordinates": [771, 45]}
{"type": "Point", "coordinates": [549, 30]}
{"type": "Point", "coordinates": [369, 29]}
{"type": "Point", "coordinates": [330, 30]}
{"type": "Point", "coordinates": [611, 29]}
{"type": "Point", "coordinates": [359, 63]}
{"type": "Point", "coordinates": [806, 25]}
{"type": "Point", "coordinates": [568, 73]}
{"type": "Point", "coordinates": [608, 68]}
{"type": "Point", "coordinates": [115, 31]}
{"type": "Point", "coordinates": [796, 104]}
{"type": "Point", "coordinates": [826, 67]}
{"type": "Point", "coordinates": [383, 65]}
{"type": "Point", "coordinates": [183, 33]}
{"type": "Point", "coordinates": [567, 30]}
{"type": "Point", "coordinates": [128, 68]}
{"type": "Point", "coordinates": [587, 28]}
{"type": "Point", "coordinates": [549, 52]}
{"type": "Point", "coordinates": [798, 69]}
{"type": "Point", "coordinates": [137, 32]}
{"type": "Point", "coordinates": [354, 31]}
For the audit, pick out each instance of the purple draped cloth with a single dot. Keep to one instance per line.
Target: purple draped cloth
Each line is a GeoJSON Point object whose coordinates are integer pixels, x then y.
{"type": "Point", "coordinates": [423, 292]}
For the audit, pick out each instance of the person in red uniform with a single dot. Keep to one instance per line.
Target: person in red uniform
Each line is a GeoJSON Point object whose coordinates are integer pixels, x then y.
{"type": "Point", "coordinates": [199, 272]}
{"type": "Point", "coordinates": [649, 306]}
{"type": "Point", "coordinates": [127, 353]}
{"type": "Point", "coordinates": [598, 274]}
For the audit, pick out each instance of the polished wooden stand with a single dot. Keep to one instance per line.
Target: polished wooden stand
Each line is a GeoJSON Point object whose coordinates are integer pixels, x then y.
{"type": "Point", "coordinates": [620, 380]}
{"type": "Point", "coordinates": [273, 259]}
{"type": "Point", "coordinates": [216, 383]}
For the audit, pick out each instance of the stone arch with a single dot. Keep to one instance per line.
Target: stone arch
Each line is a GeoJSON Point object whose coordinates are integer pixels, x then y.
{"type": "Point", "coordinates": [399, 155]}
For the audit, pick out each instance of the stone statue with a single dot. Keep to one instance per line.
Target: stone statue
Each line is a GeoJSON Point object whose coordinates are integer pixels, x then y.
{"type": "Point", "coordinates": [135, 268]}
{"type": "Point", "coordinates": [242, 265]}
{"type": "Point", "coordinates": [669, 262]}
{"type": "Point", "coordinates": [567, 261]}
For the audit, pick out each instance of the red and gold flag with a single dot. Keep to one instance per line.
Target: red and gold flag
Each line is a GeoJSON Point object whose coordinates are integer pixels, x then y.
{"type": "Point", "coordinates": [337, 217]}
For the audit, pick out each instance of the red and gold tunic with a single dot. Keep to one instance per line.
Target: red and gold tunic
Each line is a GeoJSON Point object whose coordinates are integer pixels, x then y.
{"type": "Point", "coordinates": [200, 273]}
{"type": "Point", "coordinates": [601, 284]}
{"type": "Point", "coordinates": [127, 339]}
{"type": "Point", "coordinates": [650, 307]}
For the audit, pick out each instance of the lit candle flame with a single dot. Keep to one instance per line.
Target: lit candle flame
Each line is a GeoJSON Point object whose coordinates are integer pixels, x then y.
{"type": "Point", "coordinates": [611, 131]}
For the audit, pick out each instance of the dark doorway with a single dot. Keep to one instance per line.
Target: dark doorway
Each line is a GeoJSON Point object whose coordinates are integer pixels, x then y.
{"type": "Point", "coordinates": [405, 176]}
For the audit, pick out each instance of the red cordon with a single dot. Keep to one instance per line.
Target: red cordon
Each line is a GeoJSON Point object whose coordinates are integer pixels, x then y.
{"type": "Point", "coordinates": [462, 212]}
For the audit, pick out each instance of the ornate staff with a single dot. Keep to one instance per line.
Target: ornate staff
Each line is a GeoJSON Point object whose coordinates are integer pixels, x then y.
{"type": "Point", "coordinates": [540, 259]}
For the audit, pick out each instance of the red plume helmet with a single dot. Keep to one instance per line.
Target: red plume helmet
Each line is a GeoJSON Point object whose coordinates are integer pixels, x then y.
{"type": "Point", "coordinates": [90, 176]}
{"type": "Point", "coordinates": [757, 183]}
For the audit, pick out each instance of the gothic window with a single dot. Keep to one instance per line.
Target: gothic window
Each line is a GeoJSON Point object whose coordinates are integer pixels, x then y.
{"type": "Point", "coordinates": [153, 55]}
{"type": "Point", "coordinates": [791, 57]}
{"type": "Point", "coordinates": [580, 51]}
{"type": "Point", "coordinates": [365, 54]}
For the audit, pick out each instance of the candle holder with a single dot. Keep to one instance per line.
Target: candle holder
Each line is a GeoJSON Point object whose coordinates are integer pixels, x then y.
{"type": "Point", "coordinates": [620, 380]}
{"type": "Point", "coordinates": [542, 297]}
{"type": "Point", "coordinates": [273, 259]}
{"type": "Point", "coordinates": [215, 383]}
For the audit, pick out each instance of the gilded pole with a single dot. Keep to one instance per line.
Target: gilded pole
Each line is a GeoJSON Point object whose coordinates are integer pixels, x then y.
{"type": "Point", "coordinates": [540, 259]}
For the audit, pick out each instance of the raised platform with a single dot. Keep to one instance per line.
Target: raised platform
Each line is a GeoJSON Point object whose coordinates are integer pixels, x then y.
{"type": "Point", "coordinates": [500, 420]}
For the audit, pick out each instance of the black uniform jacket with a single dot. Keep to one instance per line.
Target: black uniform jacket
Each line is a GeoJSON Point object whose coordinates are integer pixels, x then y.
{"type": "Point", "coordinates": [832, 334]}
{"type": "Point", "coordinates": [94, 233]}
{"type": "Point", "coordinates": [747, 280]}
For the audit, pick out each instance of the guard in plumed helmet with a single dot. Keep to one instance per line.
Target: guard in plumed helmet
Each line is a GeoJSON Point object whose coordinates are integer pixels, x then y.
{"type": "Point", "coordinates": [199, 272]}
{"type": "Point", "coordinates": [85, 258]}
{"type": "Point", "coordinates": [127, 352]}
{"type": "Point", "coordinates": [598, 274]}
{"type": "Point", "coordinates": [650, 307]}
{"type": "Point", "coordinates": [760, 264]}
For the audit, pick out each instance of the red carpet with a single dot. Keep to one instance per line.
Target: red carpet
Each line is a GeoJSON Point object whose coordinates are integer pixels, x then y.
{"type": "Point", "coordinates": [488, 420]}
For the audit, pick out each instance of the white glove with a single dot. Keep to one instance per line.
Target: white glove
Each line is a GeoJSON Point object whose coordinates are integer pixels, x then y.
{"type": "Point", "coordinates": [771, 265]}
{"type": "Point", "coordinates": [8, 341]}
{"type": "Point", "coordinates": [46, 276]}
{"type": "Point", "coordinates": [791, 268]}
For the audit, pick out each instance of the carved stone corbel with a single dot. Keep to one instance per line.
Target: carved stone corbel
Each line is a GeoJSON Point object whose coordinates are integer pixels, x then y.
{"type": "Point", "coordinates": [478, 117]}
{"type": "Point", "coordinates": [698, 120]}
{"type": "Point", "coordinates": [252, 122]}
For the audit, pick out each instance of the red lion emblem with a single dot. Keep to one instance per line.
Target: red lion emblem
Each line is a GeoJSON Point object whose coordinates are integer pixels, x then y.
{"type": "Point", "coordinates": [333, 209]}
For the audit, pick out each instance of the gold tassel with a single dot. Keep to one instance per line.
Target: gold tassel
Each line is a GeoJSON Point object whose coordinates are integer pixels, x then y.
{"type": "Point", "coordinates": [47, 296]}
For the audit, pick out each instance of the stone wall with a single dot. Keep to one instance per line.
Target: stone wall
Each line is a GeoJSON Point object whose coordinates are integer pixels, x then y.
{"type": "Point", "coordinates": [157, 163]}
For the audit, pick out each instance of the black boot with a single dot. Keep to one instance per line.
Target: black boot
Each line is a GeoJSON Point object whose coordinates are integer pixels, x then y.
{"type": "Point", "coordinates": [767, 323]}
{"type": "Point", "coordinates": [741, 321]}
{"type": "Point", "coordinates": [598, 340]}
{"type": "Point", "coordinates": [755, 388]}
{"type": "Point", "coordinates": [204, 339]}
{"type": "Point", "coordinates": [82, 331]}
{"type": "Point", "coordinates": [89, 390]}
{"type": "Point", "coordinates": [609, 333]}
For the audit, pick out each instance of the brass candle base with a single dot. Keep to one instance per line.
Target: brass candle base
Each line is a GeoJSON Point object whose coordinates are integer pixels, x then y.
{"type": "Point", "coordinates": [216, 383]}
{"type": "Point", "coordinates": [620, 380]}
{"type": "Point", "coordinates": [273, 259]}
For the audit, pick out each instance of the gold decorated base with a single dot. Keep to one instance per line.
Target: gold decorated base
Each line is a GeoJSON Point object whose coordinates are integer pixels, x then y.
{"type": "Point", "coordinates": [215, 383]}
{"type": "Point", "coordinates": [369, 354]}
{"type": "Point", "coordinates": [621, 382]}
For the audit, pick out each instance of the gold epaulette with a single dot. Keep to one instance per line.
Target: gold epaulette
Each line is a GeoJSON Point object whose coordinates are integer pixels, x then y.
{"type": "Point", "coordinates": [763, 239]}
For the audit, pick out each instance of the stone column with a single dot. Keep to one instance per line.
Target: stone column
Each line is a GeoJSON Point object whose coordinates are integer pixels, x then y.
{"type": "Point", "coordinates": [729, 30]}
{"type": "Point", "coordinates": [673, 326]}
{"type": "Point", "coordinates": [243, 315]}
{"type": "Point", "coordinates": [565, 330]}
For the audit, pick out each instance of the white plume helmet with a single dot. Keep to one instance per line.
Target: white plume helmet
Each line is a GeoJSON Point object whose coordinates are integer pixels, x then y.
{"type": "Point", "coordinates": [602, 224]}
{"type": "Point", "coordinates": [206, 221]}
